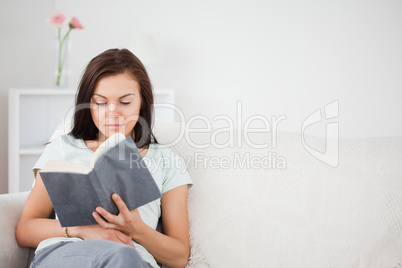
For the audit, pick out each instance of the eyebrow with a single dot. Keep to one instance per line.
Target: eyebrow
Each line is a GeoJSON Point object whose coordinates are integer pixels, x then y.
{"type": "Point", "coordinates": [129, 94]}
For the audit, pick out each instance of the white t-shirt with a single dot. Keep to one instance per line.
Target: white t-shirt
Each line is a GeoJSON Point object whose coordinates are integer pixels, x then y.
{"type": "Point", "coordinates": [166, 167]}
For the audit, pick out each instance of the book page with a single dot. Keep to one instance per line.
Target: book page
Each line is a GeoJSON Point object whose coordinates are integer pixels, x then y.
{"type": "Point", "coordinates": [65, 166]}
{"type": "Point", "coordinates": [106, 146]}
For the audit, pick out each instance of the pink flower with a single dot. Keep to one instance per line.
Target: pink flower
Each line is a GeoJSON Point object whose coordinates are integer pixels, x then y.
{"type": "Point", "coordinates": [58, 19]}
{"type": "Point", "coordinates": [75, 24]}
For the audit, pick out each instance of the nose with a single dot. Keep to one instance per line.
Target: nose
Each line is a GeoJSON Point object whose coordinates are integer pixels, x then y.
{"type": "Point", "coordinates": [112, 107]}
{"type": "Point", "coordinates": [113, 114]}
{"type": "Point", "coordinates": [111, 111]}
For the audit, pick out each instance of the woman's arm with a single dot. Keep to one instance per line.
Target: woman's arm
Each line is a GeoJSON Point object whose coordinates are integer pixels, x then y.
{"type": "Point", "coordinates": [35, 226]}
{"type": "Point", "coordinates": [171, 248]}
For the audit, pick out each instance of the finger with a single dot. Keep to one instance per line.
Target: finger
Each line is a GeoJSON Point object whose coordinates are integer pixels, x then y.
{"type": "Point", "coordinates": [121, 205]}
{"type": "Point", "coordinates": [101, 221]}
{"type": "Point", "coordinates": [125, 239]}
{"type": "Point", "coordinates": [106, 215]}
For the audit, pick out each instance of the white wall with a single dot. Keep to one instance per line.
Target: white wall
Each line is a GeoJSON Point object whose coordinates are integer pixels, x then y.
{"type": "Point", "coordinates": [276, 57]}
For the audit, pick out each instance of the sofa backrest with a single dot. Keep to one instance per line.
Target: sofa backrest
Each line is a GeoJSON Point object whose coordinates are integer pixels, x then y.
{"type": "Point", "coordinates": [283, 207]}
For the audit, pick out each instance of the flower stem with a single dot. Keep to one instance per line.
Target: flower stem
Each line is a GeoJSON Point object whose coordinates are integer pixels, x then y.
{"type": "Point", "coordinates": [61, 57]}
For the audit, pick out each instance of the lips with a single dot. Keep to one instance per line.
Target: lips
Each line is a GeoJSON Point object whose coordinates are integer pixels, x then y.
{"type": "Point", "coordinates": [113, 126]}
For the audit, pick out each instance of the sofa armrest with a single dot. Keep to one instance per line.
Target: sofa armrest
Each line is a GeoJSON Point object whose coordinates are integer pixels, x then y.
{"type": "Point", "coordinates": [11, 255]}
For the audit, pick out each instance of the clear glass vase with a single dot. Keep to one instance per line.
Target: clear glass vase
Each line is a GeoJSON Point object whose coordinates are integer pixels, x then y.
{"type": "Point", "coordinates": [62, 71]}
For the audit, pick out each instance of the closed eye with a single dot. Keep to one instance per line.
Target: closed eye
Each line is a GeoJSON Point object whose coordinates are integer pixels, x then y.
{"type": "Point", "coordinates": [125, 102]}
{"type": "Point", "coordinates": [100, 103]}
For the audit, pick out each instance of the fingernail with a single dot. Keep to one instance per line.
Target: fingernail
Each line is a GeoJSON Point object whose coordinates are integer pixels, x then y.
{"type": "Point", "coordinates": [115, 196]}
{"type": "Point", "coordinates": [98, 210]}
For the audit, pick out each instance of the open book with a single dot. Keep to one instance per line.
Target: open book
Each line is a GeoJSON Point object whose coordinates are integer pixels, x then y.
{"type": "Point", "coordinates": [117, 166]}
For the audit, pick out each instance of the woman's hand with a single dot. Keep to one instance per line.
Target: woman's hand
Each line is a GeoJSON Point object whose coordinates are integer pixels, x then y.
{"type": "Point", "coordinates": [91, 232]}
{"type": "Point", "coordinates": [128, 222]}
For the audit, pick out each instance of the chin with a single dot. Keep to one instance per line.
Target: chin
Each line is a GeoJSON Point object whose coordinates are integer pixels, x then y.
{"type": "Point", "coordinates": [108, 134]}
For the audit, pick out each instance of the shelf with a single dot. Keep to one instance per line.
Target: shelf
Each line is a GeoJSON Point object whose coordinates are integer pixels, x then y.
{"type": "Point", "coordinates": [43, 92]}
{"type": "Point", "coordinates": [32, 151]}
{"type": "Point", "coordinates": [33, 116]}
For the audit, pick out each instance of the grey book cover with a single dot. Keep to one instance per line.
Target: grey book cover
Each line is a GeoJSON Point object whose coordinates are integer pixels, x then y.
{"type": "Point", "coordinates": [120, 170]}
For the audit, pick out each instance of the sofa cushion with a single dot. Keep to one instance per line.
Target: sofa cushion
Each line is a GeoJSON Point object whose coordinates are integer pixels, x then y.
{"type": "Point", "coordinates": [245, 210]}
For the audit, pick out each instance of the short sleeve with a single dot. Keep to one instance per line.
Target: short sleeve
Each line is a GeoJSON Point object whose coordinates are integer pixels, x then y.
{"type": "Point", "coordinates": [53, 151]}
{"type": "Point", "coordinates": [175, 174]}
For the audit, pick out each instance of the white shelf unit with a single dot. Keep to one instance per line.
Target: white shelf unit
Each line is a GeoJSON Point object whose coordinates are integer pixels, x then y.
{"type": "Point", "coordinates": [163, 99]}
{"type": "Point", "coordinates": [34, 115]}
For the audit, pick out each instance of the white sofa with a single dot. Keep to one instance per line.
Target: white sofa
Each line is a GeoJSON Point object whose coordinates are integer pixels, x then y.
{"type": "Point", "coordinates": [276, 207]}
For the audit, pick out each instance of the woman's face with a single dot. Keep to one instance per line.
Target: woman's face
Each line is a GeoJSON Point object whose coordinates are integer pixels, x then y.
{"type": "Point", "coordinates": [115, 105]}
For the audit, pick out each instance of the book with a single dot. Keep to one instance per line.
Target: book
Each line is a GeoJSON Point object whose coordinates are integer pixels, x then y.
{"type": "Point", "coordinates": [75, 190]}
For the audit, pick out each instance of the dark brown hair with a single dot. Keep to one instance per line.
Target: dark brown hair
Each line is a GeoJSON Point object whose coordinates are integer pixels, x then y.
{"type": "Point", "coordinates": [113, 62]}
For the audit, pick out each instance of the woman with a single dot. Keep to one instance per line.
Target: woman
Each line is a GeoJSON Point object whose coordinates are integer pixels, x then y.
{"type": "Point", "coordinates": [115, 95]}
